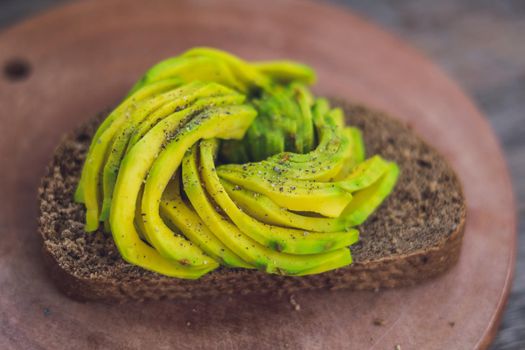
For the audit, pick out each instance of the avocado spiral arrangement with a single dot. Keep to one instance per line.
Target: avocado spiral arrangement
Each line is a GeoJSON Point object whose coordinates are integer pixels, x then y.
{"type": "Point", "coordinates": [211, 160]}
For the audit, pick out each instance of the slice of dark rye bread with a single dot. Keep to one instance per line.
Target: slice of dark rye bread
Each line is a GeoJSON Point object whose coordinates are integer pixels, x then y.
{"type": "Point", "coordinates": [415, 234]}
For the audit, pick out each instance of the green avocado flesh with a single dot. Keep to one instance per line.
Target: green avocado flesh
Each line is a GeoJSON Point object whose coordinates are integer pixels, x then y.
{"type": "Point", "coordinates": [214, 161]}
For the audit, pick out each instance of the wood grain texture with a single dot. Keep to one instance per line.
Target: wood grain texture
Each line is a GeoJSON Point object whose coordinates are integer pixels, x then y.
{"type": "Point", "coordinates": [67, 50]}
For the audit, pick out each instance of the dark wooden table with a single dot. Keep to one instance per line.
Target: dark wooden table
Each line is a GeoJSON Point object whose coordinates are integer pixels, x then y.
{"type": "Point", "coordinates": [480, 44]}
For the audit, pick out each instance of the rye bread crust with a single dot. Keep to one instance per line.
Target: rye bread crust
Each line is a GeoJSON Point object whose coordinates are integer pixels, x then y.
{"type": "Point", "coordinates": [416, 234]}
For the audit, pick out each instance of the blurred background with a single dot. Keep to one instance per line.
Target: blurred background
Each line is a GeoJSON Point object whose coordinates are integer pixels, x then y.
{"type": "Point", "coordinates": [480, 43]}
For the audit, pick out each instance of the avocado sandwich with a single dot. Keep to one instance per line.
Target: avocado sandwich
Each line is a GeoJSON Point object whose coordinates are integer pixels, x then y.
{"type": "Point", "coordinates": [215, 175]}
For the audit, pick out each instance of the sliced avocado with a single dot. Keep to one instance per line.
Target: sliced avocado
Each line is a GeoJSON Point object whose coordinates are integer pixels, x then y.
{"type": "Point", "coordinates": [368, 199]}
{"type": "Point", "coordinates": [90, 178]}
{"type": "Point", "coordinates": [305, 131]}
{"type": "Point", "coordinates": [133, 170]}
{"type": "Point", "coordinates": [284, 72]}
{"type": "Point", "coordinates": [224, 121]}
{"type": "Point", "coordinates": [132, 99]}
{"type": "Point", "coordinates": [188, 69]}
{"type": "Point", "coordinates": [334, 163]}
{"type": "Point", "coordinates": [179, 215]}
{"type": "Point", "coordinates": [364, 174]}
{"type": "Point", "coordinates": [324, 163]}
{"type": "Point", "coordinates": [319, 197]}
{"type": "Point", "coordinates": [338, 117]}
{"type": "Point", "coordinates": [271, 176]}
{"type": "Point", "coordinates": [263, 214]}
{"type": "Point", "coordinates": [282, 239]}
{"type": "Point", "coordinates": [329, 136]}
{"type": "Point", "coordinates": [322, 166]}
{"type": "Point", "coordinates": [212, 65]}
{"type": "Point", "coordinates": [356, 154]}
{"type": "Point", "coordinates": [275, 124]}
{"type": "Point", "coordinates": [287, 119]}
{"type": "Point", "coordinates": [197, 95]}
{"type": "Point", "coordinates": [243, 72]}
{"type": "Point", "coordinates": [364, 203]}
{"type": "Point", "coordinates": [162, 104]}
{"type": "Point", "coordinates": [326, 198]}
{"type": "Point", "coordinates": [135, 251]}
{"type": "Point", "coordinates": [141, 158]}
{"type": "Point", "coordinates": [284, 122]}
{"type": "Point", "coordinates": [269, 132]}
{"type": "Point", "coordinates": [264, 209]}
{"type": "Point", "coordinates": [326, 130]}
{"type": "Point", "coordinates": [249, 250]}
{"type": "Point", "coordinates": [216, 96]}
{"type": "Point", "coordinates": [256, 134]}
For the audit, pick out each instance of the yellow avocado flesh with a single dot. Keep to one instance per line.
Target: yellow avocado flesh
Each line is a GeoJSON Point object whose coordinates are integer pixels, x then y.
{"type": "Point", "coordinates": [89, 183]}
{"type": "Point", "coordinates": [367, 200]}
{"type": "Point", "coordinates": [249, 250]}
{"type": "Point", "coordinates": [324, 163]}
{"type": "Point", "coordinates": [326, 198]}
{"type": "Point", "coordinates": [356, 154]}
{"type": "Point", "coordinates": [181, 216]}
{"type": "Point", "coordinates": [144, 155]}
{"type": "Point", "coordinates": [135, 166]}
{"type": "Point", "coordinates": [212, 160]}
{"type": "Point", "coordinates": [363, 204]}
{"type": "Point", "coordinates": [274, 237]}
{"type": "Point", "coordinates": [286, 71]}
{"type": "Point", "coordinates": [167, 162]}
{"type": "Point", "coordinates": [337, 152]}
{"type": "Point", "coordinates": [330, 200]}
{"type": "Point", "coordinates": [243, 71]}
{"type": "Point", "coordinates": [122, 109]}
{"type": "Point", "coordinates": [264, 209]}
{"type": "Point", "coordinates": [161, 105]}
{"type": "Point", "coordinates": [192, 69]}
{"type": "Point", "coordinates": [325, 121]}
{"type": "Point", "coordinates": [194, 95]}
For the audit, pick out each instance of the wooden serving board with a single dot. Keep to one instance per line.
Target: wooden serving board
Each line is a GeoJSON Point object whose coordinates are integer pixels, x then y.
{"type": "Point", "coordinates": [66, 65]}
